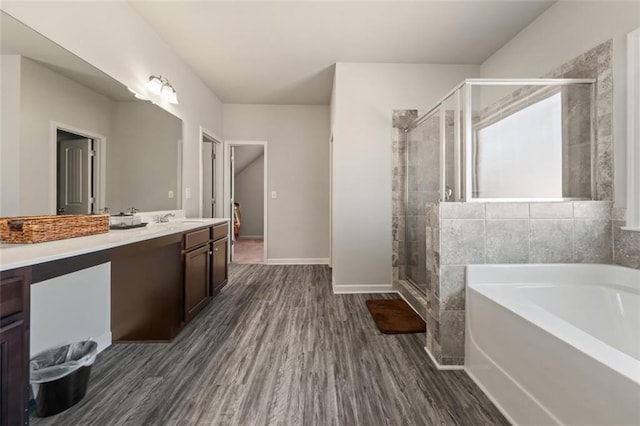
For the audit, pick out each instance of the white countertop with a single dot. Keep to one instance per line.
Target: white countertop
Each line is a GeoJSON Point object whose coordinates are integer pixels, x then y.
{"type": "Point", "coordinates": [18, 255]}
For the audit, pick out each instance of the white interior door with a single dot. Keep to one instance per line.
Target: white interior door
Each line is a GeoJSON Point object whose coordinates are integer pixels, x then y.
{"type": "Point", "coordinates": [75, 183]}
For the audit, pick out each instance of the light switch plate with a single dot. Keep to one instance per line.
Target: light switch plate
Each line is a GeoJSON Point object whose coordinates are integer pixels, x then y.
{"type": "Point", "coordinates": [274, 194]}
{"type": "Point", "coordinates": [170, 194]}
{"type": "Point", "coordinates": [187, 193]}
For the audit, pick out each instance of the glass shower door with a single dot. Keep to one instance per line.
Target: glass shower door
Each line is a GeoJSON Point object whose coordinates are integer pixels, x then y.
{"type": "Point", "coordinates": [422, 188]}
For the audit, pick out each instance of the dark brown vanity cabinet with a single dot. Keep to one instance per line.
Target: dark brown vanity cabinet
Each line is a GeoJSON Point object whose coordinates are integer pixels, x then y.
{"type": "Point", "coordinates": [146, 290]}
{"type": "Point", "coordinates": [197, 272]}
{"type": "Point", "coordinates": [159, 285]}
{"type": "Point", "coordinates": [205, 267]}
{"type": "Point", "coordinates": [14, 346]}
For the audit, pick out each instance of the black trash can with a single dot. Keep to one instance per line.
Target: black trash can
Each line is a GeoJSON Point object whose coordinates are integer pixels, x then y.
{"type": "Point", "coordinates": [60, 376]}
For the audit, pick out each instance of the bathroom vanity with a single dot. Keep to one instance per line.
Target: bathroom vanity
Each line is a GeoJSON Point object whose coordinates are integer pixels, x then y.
{"type": "Point", "coordinates": [141, 285]}
{"type": "Point", "coordinates": [159, 285]}
{"type": "Point", "coordinates": [14, 345]}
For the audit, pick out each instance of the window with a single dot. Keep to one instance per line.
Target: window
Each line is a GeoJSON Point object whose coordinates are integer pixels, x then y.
{"type": "Point", "coordinates": [521, 154]}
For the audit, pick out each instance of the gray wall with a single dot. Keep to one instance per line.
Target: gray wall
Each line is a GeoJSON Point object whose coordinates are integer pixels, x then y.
{"type": "Point", "coordinates": [143, 158]}
{"type": "Point", "coordinates": [365, 96]}
{"type": "Point", "coordinates": [10, 135]}
{"type": "Point", "coordinates": [249, 188]}
{"type": "Point", "coordinates": [298, 169]}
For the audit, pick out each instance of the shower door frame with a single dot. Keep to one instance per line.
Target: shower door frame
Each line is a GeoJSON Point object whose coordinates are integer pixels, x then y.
{"type": "Point", "coordinates": [464, 147]}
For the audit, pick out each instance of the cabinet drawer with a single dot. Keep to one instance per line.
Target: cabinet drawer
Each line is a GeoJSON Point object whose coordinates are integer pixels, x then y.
{"type": "Point", "coordinates": [11, 293]}
{"type": "Point", "coordinates": [220, 231]}
{"type": "Point", "coordinates": [195, 238]}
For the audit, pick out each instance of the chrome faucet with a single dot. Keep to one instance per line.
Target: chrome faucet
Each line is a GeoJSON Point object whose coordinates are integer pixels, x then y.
{"type": "Point", "coordinates": [164, 218]}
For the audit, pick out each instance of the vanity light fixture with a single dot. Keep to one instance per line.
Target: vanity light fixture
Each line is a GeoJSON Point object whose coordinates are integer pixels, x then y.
{"type": "Point", "coordinates": [159, 85]}
{"type": "Point", "coordinates": [137, 95]}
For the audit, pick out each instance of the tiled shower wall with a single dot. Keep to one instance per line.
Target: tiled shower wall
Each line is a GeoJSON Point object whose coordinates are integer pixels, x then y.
{"type": "Point", "coordinates": [626, 243]}
{"type": "Point", "coordinates": [398, 187]}
{"type": "Point", "coordinates": [464, 233]}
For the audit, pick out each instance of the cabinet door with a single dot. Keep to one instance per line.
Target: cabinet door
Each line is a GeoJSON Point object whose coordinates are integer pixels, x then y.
{"type": "Point", "coordinates": [12, 374]}
{"type": "Point", "coordinates": [197, 272]}
{"type": "Point", "coordinates": [219, 269]}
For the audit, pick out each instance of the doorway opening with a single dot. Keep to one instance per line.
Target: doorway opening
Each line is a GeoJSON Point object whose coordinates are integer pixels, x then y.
{"type": "Point", "coordinates": [247, 164]}
{"type": "Point", "coordinates": [79, 180]}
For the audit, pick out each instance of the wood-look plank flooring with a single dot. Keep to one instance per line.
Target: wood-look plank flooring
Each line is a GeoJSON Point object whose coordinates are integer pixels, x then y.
{"type": "Point", "coordinates": [277, 347]}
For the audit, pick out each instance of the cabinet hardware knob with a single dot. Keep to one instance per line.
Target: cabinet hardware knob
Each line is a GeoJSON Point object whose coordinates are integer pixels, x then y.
{"type": "Point", "coordinates": [210, 252]}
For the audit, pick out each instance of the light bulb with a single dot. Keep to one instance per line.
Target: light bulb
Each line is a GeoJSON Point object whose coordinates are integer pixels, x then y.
{"type": "Point", "coordinates": [169, 95]}
{"type": "Point", "coordinates": [155, 85]}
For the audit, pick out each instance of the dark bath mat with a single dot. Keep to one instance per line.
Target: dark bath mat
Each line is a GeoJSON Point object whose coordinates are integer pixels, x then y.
{"type": "Point", "coordinates": [395, 316]}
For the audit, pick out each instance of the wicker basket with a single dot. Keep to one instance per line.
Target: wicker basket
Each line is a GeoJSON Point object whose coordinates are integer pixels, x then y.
{"type": "Point", "coordinates": [38, 229]}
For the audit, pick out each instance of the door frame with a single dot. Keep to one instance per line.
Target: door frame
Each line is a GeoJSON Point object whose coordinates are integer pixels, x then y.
{"type": "Point", "coordinates": [633, 131]}
{"type": "Point", "coordinates": [203, 132]}
{"type": "Point", "coordinates": [100, 164]}
{"type": "Point", "coordinates": [227, 184]}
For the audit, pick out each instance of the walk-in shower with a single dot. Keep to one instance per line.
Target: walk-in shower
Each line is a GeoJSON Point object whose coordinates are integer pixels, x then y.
{"type": "Point", "coordinates": [495, 140]}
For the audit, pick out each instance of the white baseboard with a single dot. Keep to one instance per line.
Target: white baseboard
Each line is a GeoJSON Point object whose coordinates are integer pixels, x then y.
{"type": "Point", "coordinates": [440, 366]}
{"type": "Point", "coordinates": [300, 261]}
{"type": "Point", "coordinates": [251, 237]}
{"type": "Point", "coordinates": [361, 288]}
{"type": "Point", "coordinates": [104, 341]}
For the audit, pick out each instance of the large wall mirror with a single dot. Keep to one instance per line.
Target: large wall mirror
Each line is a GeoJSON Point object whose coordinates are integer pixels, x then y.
{"type": "Point", "coordinates": [74, 140]}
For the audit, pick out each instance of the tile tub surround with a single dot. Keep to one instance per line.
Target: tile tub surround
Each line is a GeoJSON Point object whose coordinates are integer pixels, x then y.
{"type": "Point", "coordinates": [597, 63]}
{"type": "Point", "coordinates": [626, 243]}
{"type": "Point", "coordinates": [500, 233]}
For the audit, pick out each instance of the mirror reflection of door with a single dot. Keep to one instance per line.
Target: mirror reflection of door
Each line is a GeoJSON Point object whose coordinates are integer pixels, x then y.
{"type": "Point", "coordinates": [75, 174]}
{"type": "Point", "coordinates": [208, 177]}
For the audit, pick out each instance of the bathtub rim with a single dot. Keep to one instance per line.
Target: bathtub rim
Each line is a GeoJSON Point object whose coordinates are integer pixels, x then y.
{"type": "Point", "coordinates": [559, 328]}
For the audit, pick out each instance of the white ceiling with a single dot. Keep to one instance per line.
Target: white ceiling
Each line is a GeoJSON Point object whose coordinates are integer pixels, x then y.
{"type": "Point", "coordinates": [268, 52]}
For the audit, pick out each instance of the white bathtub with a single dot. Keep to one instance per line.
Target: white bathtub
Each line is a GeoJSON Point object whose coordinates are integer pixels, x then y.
{"type": "Point", "coordinates": [556, 344]}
